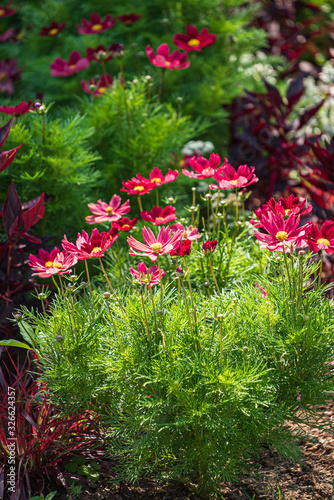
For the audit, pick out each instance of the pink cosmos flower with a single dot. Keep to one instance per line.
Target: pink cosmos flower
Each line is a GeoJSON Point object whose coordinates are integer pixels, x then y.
{"type": "Point", "coordinates": [88, 248]}
{"type": "Point", "coordinates": [175, 60]}
{"type": "Point", "coordinates": [149, 277]}
{"type": "Point", "coordinates": [284, 206]}
{"type": "Point", "coordinates": [96, 24]}
{"type": "Point", "coordinates": [129, 19]}
{"type": "Point", "coordinates": [281, 233]}
{"type": "Point", "coordinates": [154, 247]}
{"type": "Point", "coordinates": [107, 212]}
{"type": "Point", "coordinates": [75, 64]}
{"type": "Point", "coordinates": [137, 185]}
{"type": "Point", "coordinates": [20, 109]}
{"type": "Point", "coordinates": [229, 178]}
{"type": "Point", "coordinates": [158, 215]}
{"type": "Point", "coordinates": [8, 75]}
{"type": "Point", "coordinates": [158, 178]}
{"type": "Point", "coordinates": [7, 11]}
{"type": "Point", "coordinates": [260, 289]}
{"type": "Point", "coordinates": [204, 168]}
{"type": "Point", "coordinates": [182, 250]}
{"type": "Point", "coordinates": [96, 87]}
{"type": "Point", "coordinates": [48, 264]}
{"type": "Point", "coordinates": [53, 29]}
{"type": "Point", "coordinates": [209, 246]}
{"type": "Point", "coordinates": [191, 233]}
{"type": "Point", "coordinates": [323, 238]}
{"type": "Point", "coordinates": [125, 224]}
{"type": "Point", "coordinates": [194, 40]}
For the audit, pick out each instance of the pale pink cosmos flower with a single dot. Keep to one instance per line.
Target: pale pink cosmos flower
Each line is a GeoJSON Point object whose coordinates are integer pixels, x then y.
{"type": "Point", "coordinates": [191, 233]}
{"type": "Point", "coordinates": [164, 243]}
{"type": "Point", "coordinates": [149, 277]}
{"type": "Point", "coordinates": [108, 212]}
{"type": "Point", "coordinates": [48, 264]}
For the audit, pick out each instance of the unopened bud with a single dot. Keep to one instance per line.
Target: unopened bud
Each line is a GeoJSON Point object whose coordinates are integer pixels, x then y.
{"type": "Point", "coordinates": [193, 189]}
{"type": "Point", "coordinates": [170, 200]}
{"type": "Point", "coordinates": [179, 99]}
{"type": "Point", "coordinates": [73, 277]}
{"type": "Point", "coordinates": [206, 284]}
{"type": "Point", "coordinates": [245, 348]}
{"type": "Point", "coordinates": [84, 283]}
{"type": "Point", "coordinates": [160, 312]}
{"type": "Point", "coordinates": [42, 296]}
{"type": "Point", "coordinates": [182, 220]}
{"type": "Point", "coordinates": [59, 338]}
{"type": "Point", "coordinates": [301, 252]}
{"type": "Point", "coordinates": [107, 295]}
{"type": "Point", "coordinates": [148, 77]}
{"type": "Point", "coordinates": [179, 271]}
{"type": "Point", "coordinates": [208, 196]}
{"type": "Point", "coordinates": [235, 300]}
{"type": "Point", "coordinates": [192, 208]}
{"type": "Point", "coordinates": [17, 316]}
{"type": "Point", "coordinates": [306, 317]}
{"type": "Point", "coordinates": [220, 317]}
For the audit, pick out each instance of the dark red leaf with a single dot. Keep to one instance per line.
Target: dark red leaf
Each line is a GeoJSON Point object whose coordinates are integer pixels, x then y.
{"type": "Point", "coordinates": [295, 91]}
{"type": "Point", "coordinates": [11, 208]}
{"type": "Point", "coordinates": [4, 131]}
{"type": "Point", "coordinates": [35, 213]}
{"type": "Point", "coordinates": [3, 251]}
{"type": "Point", "coordinates": [309, 113]}
{"type": "Point", "coordinates": [6, 158]}
{"type": "Point", "coordinates": [32, 238]}
{"type": "Point", "coordinates": [273, 93]}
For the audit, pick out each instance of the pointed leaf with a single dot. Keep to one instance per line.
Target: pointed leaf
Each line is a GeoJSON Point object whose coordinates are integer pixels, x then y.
{"type": "Point", "coordinates": [3, 250]}
{"type": "Point", "coordinates": [14, 343]}
{"type": "Point", "coordinates": [26, 331]}
{"type": "Point", "coordinates": [31, 216]}
{"type": "Point", "coordinates": [309, 113]}
{"type": "Point", "coordinates": [295, 91]}
{"type": "Point", "coordinates": [6, 157]}
{"type": "Point", "coordinates": [4, 131]}
{"type": "Point", "coordinates": [273, 93]}
{"type": "Point", "coordinates": [11, 208]}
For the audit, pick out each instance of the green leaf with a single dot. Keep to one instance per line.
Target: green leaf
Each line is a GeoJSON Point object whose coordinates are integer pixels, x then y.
{"type": "Point", "coordinates": [14, 343]}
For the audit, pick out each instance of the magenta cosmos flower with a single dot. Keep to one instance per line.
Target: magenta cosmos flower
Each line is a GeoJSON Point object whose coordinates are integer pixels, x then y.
{"type": "Point", "coordinates": [88, 248]}
{"type": "Point", "coordinates": [125, 224]}
{"type": "Point", "coordinates": [194, 40]}
{"type": "Point", "coordinates": [158, 178]}
{"type": "Point", "coordinates": [154, 247]}
{"type": "Point", "coordinates": [53, 29]}
{"type": "Point", "coordinates": [76, 63]}
{"type": "Point", "coordinates": [7, 11]}
{"type": "Point", "coordinates": [284, 206]}
{"type": "Point", "coordinates": [149, 277]}
{"type": "Point", "coordinates": [323, 238]}
{"type": "Point", "coordinates": [96, 87]}
{"type": "Point", "coordinates": [158, 215]}
{"type": "Point", "coordinates": [107, 212]}
{"type": "Point", "coordinates": [20, 109]}
{"type": "Point", "coordinates": [229, 178]}
{"type": "Point", "coordinates": [182, 250]}
{"type": "Point", "coordinates": [204, 168]}
{"type": "Point", "coordinates": [96, 24]}
{"type": "Point", "coordinates": [281, 233]}
{"type": "Point", "coordinates": [48, 264]}
{"type": "Point", "coordinates": [129, 19]}
{"type": "Point", "coordinates": [8, 75]}
{"type": "Point", "coordinates": [100, 53]}
{"type": "Point", "coordinates": [175, 60]}
{"type": "Point", "coordinates": [191, 233]}
{"type": "Point", "coordinates": [209, 246]}
{"type": "Point", "coordinates": [137, 185]}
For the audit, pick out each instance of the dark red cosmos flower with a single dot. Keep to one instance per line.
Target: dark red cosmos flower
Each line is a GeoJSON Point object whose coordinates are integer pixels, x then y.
{"type": "Point", "coordinates": [323, 238]}
{"type": "Point", "coordinates": [96, 87]}
{"type": "Point", "coordinates": [96, 25]}
{"type": "Point", "coordinates": [204, 168]}
{"type": "Point", "coordinates": [209, 246]}
{"type": "Point", "coordinates": [194, 40]}
{"type": "Point", "coordinates": [87, 248]}
{"type": "Point", "coordinates": [9, 34]}
{"type": "Point", "coordinates": [100, 53]}
{"type": "Point", "coordinates": [20, 109]}
{"type": "Point", "coordinates": [8, 74]}
{"type": "Point", "coordinates": [53, 29]}
{"type": "Point", "coordinates": [7, 11]}
{"type": "Point", "coordinates": [175, 60]}
{"type": "Point", "coordinates": [182, 250]}
{"type": "Point", "coordinates": [124, 224]}
{"type": "Point", "coordinates": [158, 178]}
{"type": "Point", "coordinates": [76, 63]}
{"type": "Point", "coordinates": [284, 206]}
{"type": "Point", "coordinates": [129, 19]}
{"type": "Point", "coordinates": [229, 178]}
{"type": "Point", "coordinates": [158, 215]}
{"type": "Point", "coordinates": [137, 186]}
{"type": "Point", "coordinates": [281, 233]}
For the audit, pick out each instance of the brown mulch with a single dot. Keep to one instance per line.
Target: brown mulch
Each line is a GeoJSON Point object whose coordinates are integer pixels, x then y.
{"type": "Point", "coordinates": [277, 478]}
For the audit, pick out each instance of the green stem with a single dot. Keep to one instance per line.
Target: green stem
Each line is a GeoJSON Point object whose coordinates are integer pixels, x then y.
{"type": "Point", "coordinates": [161, 83]}
{"type": "Point", "coordinates": [145, 316]}
{"type": "Point", "coordinates": [88, 278]}
{"type": "Point", "coordinates": [213, 275]}
{"type": "Point", "coordinates": [236, 206]}
{"type": "Point", "coordinates": [161, 285]}
{"type": "Point", "coordinates": [110, 287]}
{"type": "Point", "coordinates": [191, 292]}
{"type": "Point", "coordinates": [320, 270]}
{"type": "Point", "coordinates": [114, 325]}
{"type": "Point", "coordinates": [139, 203]}
{"type": "Point", "coordinates": [187, 307]}
{"type": "Point", "coordinates": [287, 267]}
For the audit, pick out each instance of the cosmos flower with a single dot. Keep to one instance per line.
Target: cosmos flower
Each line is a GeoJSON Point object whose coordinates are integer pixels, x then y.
{"type": "Point", "coordinates": [52, 30]}
{"type": "Point", "coordinates": [158, 178]}
{"type": "Point", "coordinates": [158, 215]}
{"type": "Point", "coordinates": [175, 60]}
{"type": "Point", "coordinates": [48, 264]}
{"type": "Point", "coordinates": [137, 185]}
{"type": "Point", "coordinates": [125, 224]}
{"type": "Point", "coordinates": [284, 206]}
{"type": "Point", "coordinates": [88, 248]}
{"type": "Point", "coordinates": [281, 233]}
{"type": "Point", "coordinates": [191, 233]}
{"type": "Point", "coordinates": [155, 246]}
{"type": "Point", "coordinates": [183, 249]}
{"type": "Point", "coordinates": [107, 212]}
{"type": "Point", "coordinates": [149, 277]}
{"type": "Point", "coordinates": [75, 64]}
{"type": "Point", "coordinates": [96, 24]}
{"type": "Point", "coordinates": [129, 19]}
{"type": "Point", "coordinates": [209, 246]}
{"type": "Point", "coordinates": [8, 75]}
{"type": "Point", "coordinates": [229, 178]}
{"type": "Point", "coordinates": [194, 40]}
{"type": "Point", "coordinates": [323, 238]}
{"type": "Point", "coordinates": [203, 168]}
{"type": "Point", "coordinates": [97, 87]}
{"type": "Point", "coordinates": [6, 11]}
{"type": "Point", "coordinates": [20, 109]}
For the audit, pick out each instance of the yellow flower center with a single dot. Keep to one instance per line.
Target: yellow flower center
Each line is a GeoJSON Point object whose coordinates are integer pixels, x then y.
{"type": "Point", "coordinates": [97, 27]}
{"type": "Point", "coordinates": [168, 63]}
{"type": "Point", "coordinates": [96, 250]}
{"type": "Point", "coordinates": [72, 66]}
{"type": "Point", "coordinates": [323, 241]}
{"type": "Point", "coordinates": [159, 218]}
{"type": "Point", "coordinates": [287, 211]}
{"type": "Point", "coordinates": [109, 211]}
{"type": "Point", "coordinates": [185, 235]}
{"type": "Point", "coordinates": [54, 31]}
{"type": "Point", "coordinates": [3, 76]}
{"type": "Point", "coordinates": [2, 12]}
{"type": "Point", "coordinates": [138, 188]}
{"type": "Point", "coordinates": [58, 265]}
{"type": "Point", "coordinates": [102, 90]}
{"type": "Point", "coordinates": [194, 42]}
{"type": "Point", "coordinates": [234, 182]}
{"type": "Point", "coordinates": [281, 235]}
{"type": "Point", "coordinates": [156, 247]}
{"type": "Point", "coordinates": [126, 226]}
{"type": "Point", "coordinates": [156, 179]}
{"type": "Point", "coordinates": [49, 263]}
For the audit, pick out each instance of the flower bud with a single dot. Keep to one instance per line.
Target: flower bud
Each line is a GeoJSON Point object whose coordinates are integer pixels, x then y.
{"type": "Point", "coordinates": [171, 200]}
{"type": "Point", "coordinates": [73, 277]}
{"type": "Point", "coordinates": [192, 208]}
{"type": "Point", "coordinates": [107, 295]}
{"type": "Point", "coordinates": [59, 338]}
{"type": "Point", "coordinates": [301, 252]}
{"type": "Point", "coordinates": [193, 189]}
{"type": "Point", "coordinates": [220, 317]}
{"type": "Point", "coordinates": [160, 312]}
{"type": "Point", "coordinates": [42, 296]}
{"type": "Point", "coordinates": [17, 316]}
{"type": "Point", "coordinates": [179, 271]}
{"type": "Point", "coordinates": [208, 196]}
{"type": "Point", "coordinates": [206, 284]}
